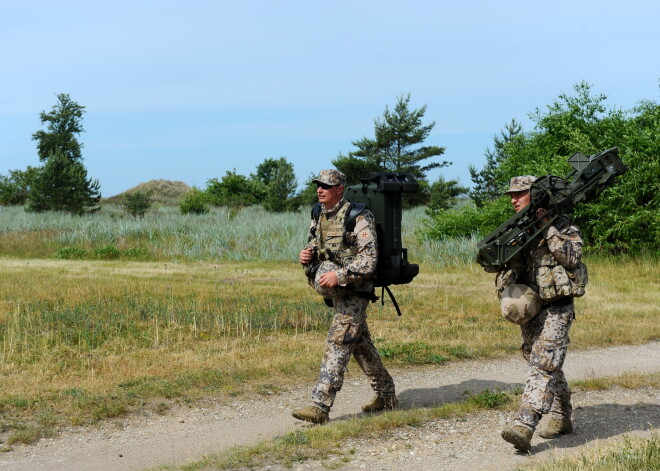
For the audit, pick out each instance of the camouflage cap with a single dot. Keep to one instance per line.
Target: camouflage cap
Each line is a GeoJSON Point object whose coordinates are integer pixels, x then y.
{"type": "Point", "coordinates": [331, 177]}
{"type": "Point", "coordinates": [521, 183]}
{"type": "Point", "coordinates": [520, 304]}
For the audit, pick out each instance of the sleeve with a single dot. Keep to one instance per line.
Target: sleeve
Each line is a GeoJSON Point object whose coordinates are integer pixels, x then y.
{"type": "Point", "coordinates": [311, 235]}
{"type": "Point", "coordinates": [366, 258]}
{"type": "Point", "coordinates": [565, 246]}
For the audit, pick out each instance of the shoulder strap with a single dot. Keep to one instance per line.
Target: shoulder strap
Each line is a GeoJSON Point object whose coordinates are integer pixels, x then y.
{"type": "Point", "coordinates": [354, 210]}
{"type": "Point", "coordinates": [316, 212]}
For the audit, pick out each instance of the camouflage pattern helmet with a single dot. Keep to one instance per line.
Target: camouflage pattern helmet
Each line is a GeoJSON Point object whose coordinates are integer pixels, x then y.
{"type": "Point", "coordinates": [520, 183]}
{"type": "Point", "coordinates": [520, 304]}
{"type": "Point", "coordinates": [331, 177]}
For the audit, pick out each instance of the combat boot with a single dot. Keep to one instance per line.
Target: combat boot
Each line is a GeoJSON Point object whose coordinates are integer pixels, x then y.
{"type": "Point", "coordinates": [520, 437]}
{"type": "Point", "coordinates": [380, 403]}
{"type": "Point", "coordinates": [311, 414]}
{"type": "Point", "coordinates": [555, 427]}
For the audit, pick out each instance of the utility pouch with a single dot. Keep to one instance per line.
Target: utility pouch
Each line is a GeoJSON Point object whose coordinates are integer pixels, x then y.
{"type": "Point", "coordinates": [562, 282]}
{"type": "Point", "coordinates": [353, 333]}
{"type": "Point", "coordinates": [579, 278]}
{"type": "Point", "coordinates": [546, 283]}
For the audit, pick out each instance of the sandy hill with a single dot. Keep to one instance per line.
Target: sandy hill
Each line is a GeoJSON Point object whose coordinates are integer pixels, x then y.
{"type": "Point", "coordinates": [164, 192]}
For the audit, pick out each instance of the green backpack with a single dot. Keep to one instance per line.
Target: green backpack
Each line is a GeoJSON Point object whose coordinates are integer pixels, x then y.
{"type": "Point", "coordinates": [381, 193]}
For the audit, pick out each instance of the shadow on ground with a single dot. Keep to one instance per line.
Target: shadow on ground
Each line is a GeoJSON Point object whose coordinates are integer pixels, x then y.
{"type": "Point", "coordinates": [434, 397]}
{"type": "Point", "coordinates": [590, 423]}
{"type": "Point", "coordinates": [603, 421]}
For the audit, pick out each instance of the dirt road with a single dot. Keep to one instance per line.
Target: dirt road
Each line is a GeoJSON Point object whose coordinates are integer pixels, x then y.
{"type": "Point", "coordinates": [185, 434]}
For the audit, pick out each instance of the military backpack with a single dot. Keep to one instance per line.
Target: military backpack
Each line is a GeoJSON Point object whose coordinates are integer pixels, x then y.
{"type": "Point", "coordinates": [381, 193]}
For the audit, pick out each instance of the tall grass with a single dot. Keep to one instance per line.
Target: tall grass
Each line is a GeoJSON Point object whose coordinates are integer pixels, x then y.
{"type": "Point", "coordinates": [248, 234]}
{"type": "Point", "coordinates": [164, 233]}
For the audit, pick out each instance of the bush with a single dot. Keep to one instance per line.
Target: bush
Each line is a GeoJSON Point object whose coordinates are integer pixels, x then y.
{"type": "Point", "coordinates": [108, 252]}
{"type": "Point", "coordinates": [467, 220]}
{"type": "Point", "coordinates": [137, 203]}
{"type": "Point", "coordinates": [194, 202]}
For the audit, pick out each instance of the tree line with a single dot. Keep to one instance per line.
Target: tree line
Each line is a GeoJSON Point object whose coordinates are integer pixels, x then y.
{"type": "Point", "coordinates": [625, 218]}
{"type": "Point", "coordinates": [61, 183]}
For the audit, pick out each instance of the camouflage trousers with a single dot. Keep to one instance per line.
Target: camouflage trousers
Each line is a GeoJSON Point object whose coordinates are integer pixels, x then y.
{"type": "Point", "coordinates": [545, 342]}
{"type": "Point", "coordinates": [349, 335]}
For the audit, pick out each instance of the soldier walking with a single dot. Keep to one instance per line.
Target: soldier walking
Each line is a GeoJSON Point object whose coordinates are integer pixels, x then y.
{"type": "Point", "coordinates": [547, 275]}
{"type": "Point", "coordinates": [341, 265]}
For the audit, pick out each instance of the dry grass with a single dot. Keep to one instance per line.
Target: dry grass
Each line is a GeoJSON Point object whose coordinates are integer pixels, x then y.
{"type": "Point", "coordinates": [629, 454]}
{"type": "Point", "coordinates": [83, 340]}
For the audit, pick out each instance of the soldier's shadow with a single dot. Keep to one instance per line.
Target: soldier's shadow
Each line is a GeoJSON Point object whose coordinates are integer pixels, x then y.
{"type": "Point", "coordinates": [595, 422]}
{"type": "Point", "coordinates": [603, 421]}
{"type": "Point", "coordinates": [434, 397]}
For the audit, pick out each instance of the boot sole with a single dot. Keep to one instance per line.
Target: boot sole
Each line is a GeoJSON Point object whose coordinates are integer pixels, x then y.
{"type": "Point", "coordinates": [516, 440]}
{"type": "Point", "coordinates": [311, 420]}
{"type": "Point", "coordinates": [549, 436]}
{"type": "Point", "coordinates": [372, 411]}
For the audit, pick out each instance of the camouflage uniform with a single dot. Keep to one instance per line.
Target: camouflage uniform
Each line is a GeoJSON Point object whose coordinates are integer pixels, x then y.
{"type": "Point", "coordinates": [349, 332]}
{"type": "Point", "coordinates": [545, 336]}
{"type": "Point", "coordinates": [547, 267]}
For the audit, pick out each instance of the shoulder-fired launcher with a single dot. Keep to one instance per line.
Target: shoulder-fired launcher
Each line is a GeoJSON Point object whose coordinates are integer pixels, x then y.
{"type": "Point", "coordinates": [589, 177]}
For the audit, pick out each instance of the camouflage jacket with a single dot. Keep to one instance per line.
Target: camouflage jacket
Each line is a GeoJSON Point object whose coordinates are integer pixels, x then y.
{"type": "Point", "coordinates": [552, 266]}
{"type": "Point", "coordinates": [361, 265]}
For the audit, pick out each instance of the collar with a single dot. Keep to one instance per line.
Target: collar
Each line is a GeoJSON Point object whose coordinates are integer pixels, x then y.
{"type": "Point", "coordinates": [335, 209]}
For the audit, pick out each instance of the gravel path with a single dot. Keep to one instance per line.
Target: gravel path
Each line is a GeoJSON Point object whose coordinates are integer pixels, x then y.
{"type": "Point", "coordinates": [187, 433]}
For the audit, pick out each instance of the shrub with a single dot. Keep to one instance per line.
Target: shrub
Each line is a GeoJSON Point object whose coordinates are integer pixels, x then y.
{"type": "Point", "coordinates": [467, 220]}
{"type": "Point", "coordinates": [137, 203]}
{"type": "Point", "coordinates": [109, 252]}
{"type": "Point", "coordinates": [194, 202]}
{"type": "Point", "coordinates": [136, 253]}
{"type": "Point", "coordinates": [625, 218]}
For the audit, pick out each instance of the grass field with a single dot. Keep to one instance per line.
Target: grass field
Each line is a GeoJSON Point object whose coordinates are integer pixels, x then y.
{"type": "Point", "coordinates": [81, 340]}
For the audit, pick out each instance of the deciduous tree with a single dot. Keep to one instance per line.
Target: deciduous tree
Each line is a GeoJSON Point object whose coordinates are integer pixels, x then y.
{"type": "Point", "coordinates": [280, 182]}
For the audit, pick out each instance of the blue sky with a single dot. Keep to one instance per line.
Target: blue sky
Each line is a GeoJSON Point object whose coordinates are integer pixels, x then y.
{"type": "Point", "coordinates": [188, 90]}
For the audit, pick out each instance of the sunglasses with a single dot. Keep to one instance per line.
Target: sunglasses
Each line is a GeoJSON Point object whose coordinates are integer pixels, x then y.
{"type": "Point", "coordinates": [325, 186]}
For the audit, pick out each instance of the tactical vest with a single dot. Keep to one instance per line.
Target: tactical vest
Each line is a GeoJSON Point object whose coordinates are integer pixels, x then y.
{"type": "Point", "coordinates": [331, 238]}
{"type": "Point", "coordinates": [553, 280]}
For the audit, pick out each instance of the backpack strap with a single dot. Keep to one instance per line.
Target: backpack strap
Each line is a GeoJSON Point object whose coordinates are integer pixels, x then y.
{"type": "Point", "coordinates": [354, 210]}
{"type": "Point", "coordinates": [316, 212]}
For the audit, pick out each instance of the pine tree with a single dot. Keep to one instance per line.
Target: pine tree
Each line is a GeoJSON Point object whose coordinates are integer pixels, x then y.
{"type": "Point", "coordinates": [62, 183]}
{"type": "Point", "coordinates": [396, 147]}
